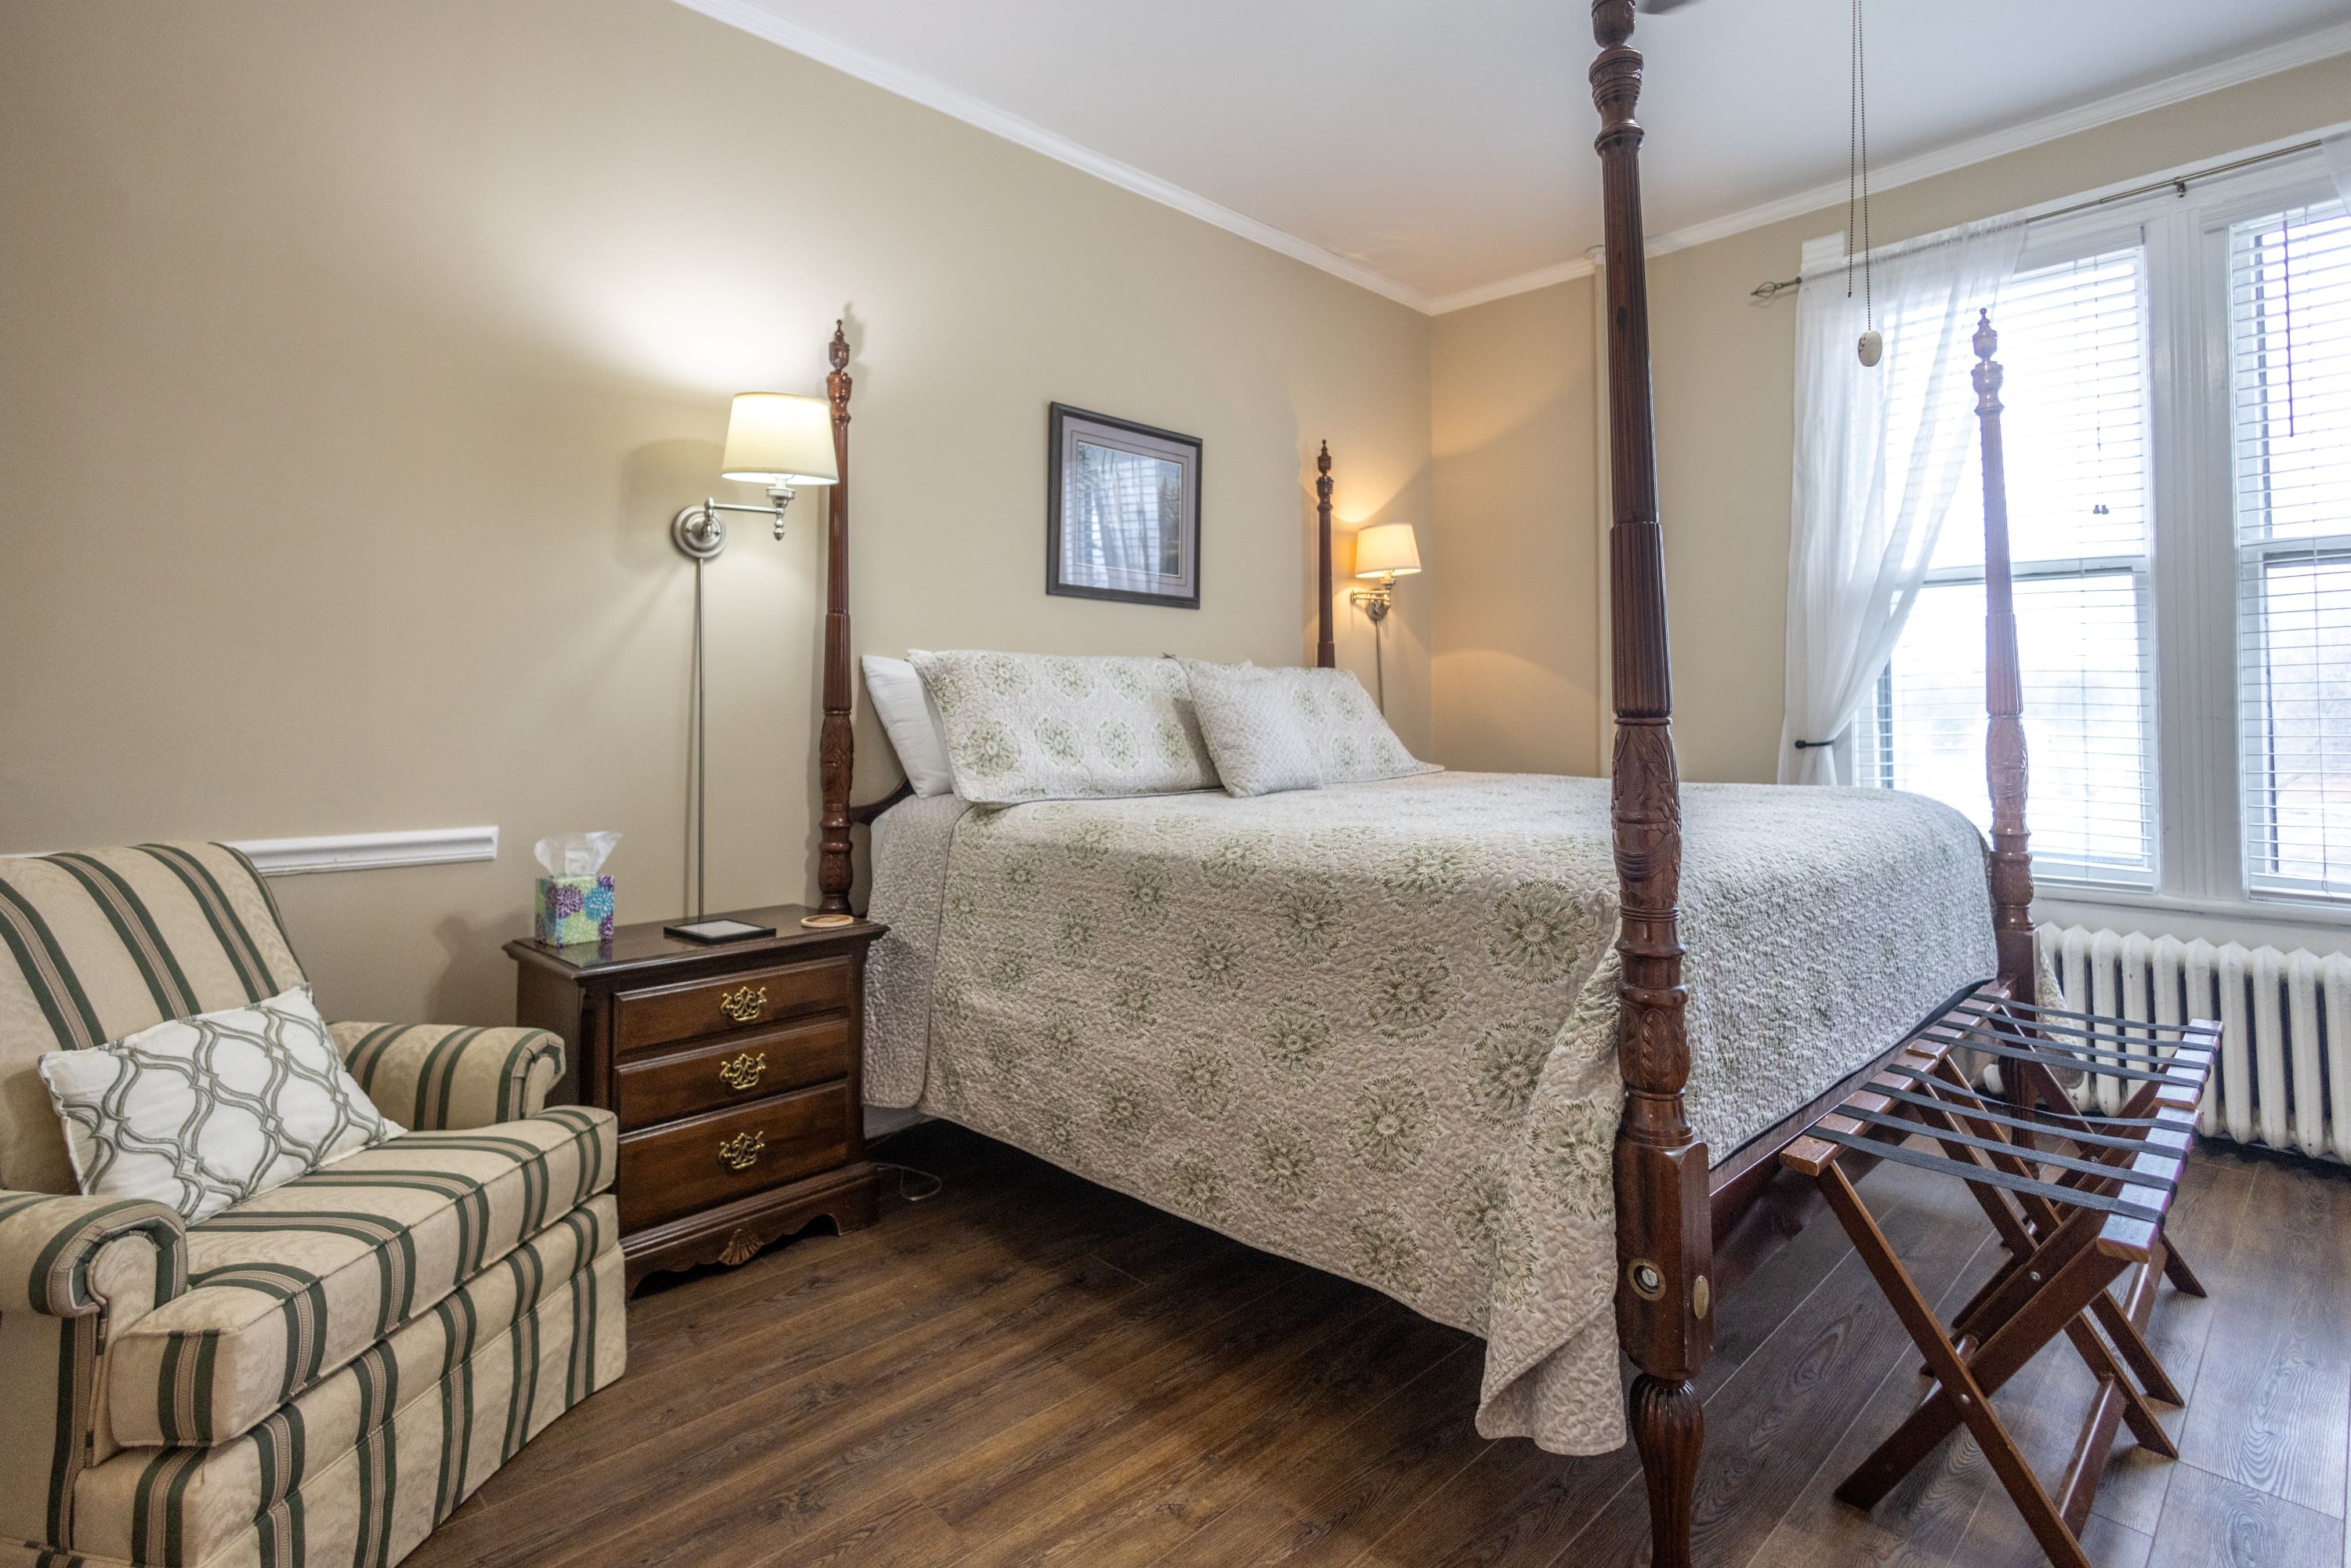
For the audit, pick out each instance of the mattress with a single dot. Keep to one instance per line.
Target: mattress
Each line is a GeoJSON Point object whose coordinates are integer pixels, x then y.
{"type": "Point", "coordinates": [1372, 1027]}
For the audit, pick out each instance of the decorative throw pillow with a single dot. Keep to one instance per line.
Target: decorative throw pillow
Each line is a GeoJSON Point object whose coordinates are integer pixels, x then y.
{"type": "Point", "coordinates": [912, 723]}
{"type": "Point", "coordinates": [203, 1113]}
{"type": "Point", "coordinates": [1252, 728]}
{"type": "Point", "coordinates": [1033, 727]}
{"type": "Point", "coordinates": [1349, 737]}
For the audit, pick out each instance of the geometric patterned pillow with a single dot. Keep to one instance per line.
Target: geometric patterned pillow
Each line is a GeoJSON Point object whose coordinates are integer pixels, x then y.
{"type": "Point", "coordinates": [199, 1113]}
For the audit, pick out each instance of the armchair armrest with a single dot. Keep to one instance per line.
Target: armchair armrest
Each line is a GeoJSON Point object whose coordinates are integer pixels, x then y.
{"type": "Point", "coordinates": [447, 1077]}
{"type": "Point", "coordinates": [73, 1272]}
{"type": "Point", "coordinates": [49, 1247]}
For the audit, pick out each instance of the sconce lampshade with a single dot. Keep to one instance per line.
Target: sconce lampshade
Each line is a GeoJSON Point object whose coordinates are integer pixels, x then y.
{"type": "Point", "coordinates": [1386, 550]}
{"type": "Point", "coordinates": [780, 438]}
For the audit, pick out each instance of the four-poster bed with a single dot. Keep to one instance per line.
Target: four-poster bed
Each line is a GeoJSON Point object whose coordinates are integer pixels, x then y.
{"type": "Point", "coordinates": [981, 984]}
{"type": "Point", "coordinates": [1686, 1232]}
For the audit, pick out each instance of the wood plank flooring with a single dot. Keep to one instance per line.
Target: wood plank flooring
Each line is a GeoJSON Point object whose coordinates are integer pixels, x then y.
{"type": "Point", "coordinates": [1031, 1370]}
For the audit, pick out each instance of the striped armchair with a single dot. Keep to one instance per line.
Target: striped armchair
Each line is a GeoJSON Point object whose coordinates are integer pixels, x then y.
{"type": "Point", "coordinates": [323, 1372]}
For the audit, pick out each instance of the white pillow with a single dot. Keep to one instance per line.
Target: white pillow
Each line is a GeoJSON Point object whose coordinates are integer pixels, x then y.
{"type": "Point", "coordinates": [200, 1113]}
{"type": "Point", "coordinates": [912, 722]}
{"type": "Point", "coordinates": [1252, 730]}
{"type": "Point", "coordinates": [1034, 727]}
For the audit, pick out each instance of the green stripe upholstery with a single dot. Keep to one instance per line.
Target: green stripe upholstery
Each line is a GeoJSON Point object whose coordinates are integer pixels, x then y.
{"type": "Point", "coordinates": [182, 1505]}
{"type": "Point", "coordinates": [102, 944]}
{"type": "Point", "coordinates": [66, 1266]}
{"type": "Point", "coordinates": [48, 1244]}
{"type": "Point", "coordinates": [324, 1372]}
{"type": "Point", "coordinates": [448, 1078]}
{"type": "Point", "coordinates": [294, 1283]}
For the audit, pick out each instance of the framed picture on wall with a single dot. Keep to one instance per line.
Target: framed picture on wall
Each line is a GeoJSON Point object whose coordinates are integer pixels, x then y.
{"type": "Point", "coordinates": [1122, 511]}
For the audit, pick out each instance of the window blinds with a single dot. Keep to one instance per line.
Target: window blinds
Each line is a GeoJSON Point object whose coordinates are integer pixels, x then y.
{"type": "Point", "coordinates": [2072, 340]}
{"type": "Point", "coordinates": [2290, 401]}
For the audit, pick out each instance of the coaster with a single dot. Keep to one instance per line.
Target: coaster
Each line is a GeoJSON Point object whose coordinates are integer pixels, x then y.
{"type": "Point", "coordinates": [827, 922]}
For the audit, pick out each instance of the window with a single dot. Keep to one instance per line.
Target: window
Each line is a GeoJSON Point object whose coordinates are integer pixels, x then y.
{"type": "Point", "coordinates": [2073, 344]}
{"type": "Point", "coordinates": [2290, 402]}
{"type": "Point", "coordinates": [2178, 439]}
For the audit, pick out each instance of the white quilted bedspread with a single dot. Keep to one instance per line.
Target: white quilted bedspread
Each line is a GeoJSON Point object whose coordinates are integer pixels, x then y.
{"type": "Point", "coordinates": [1372, 1027]}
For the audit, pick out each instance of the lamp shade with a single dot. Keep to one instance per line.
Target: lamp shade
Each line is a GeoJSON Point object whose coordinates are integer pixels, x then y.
{"type": "Point", "coordinates": [780, 438]}
{"type": "Point", "coordinates": [1386, 550]}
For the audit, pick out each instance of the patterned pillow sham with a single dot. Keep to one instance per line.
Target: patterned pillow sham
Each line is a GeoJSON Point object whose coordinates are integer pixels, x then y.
{"type": "Point", "coordinates": [200, 1113]}
{"type": "Point", "coordinates": [1253, 728]}
{"type": "Point", "coordinates": [1036, 727]}
{"type": "Point", "coordinates": [1344, 729]}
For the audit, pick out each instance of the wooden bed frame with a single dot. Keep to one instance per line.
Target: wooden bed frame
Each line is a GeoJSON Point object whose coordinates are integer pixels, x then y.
{"type": "Point", "coordinates": [1686, 1230]}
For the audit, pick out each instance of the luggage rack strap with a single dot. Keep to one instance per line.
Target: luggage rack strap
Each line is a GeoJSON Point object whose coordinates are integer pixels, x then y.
{"type": "Point", "coordinates": [2064, 1062]}
{"type": "Point", "coordinates": [1980, 1109]}
{"type": "Point", "coordinates": [2101, 1168]}
{"type": "Point", "coordinates": [1968, 1170]}
{"type": "Point", "coordinates": [1976, 1002]}
{"type": "Point", "coordinates": [2140, 1050]}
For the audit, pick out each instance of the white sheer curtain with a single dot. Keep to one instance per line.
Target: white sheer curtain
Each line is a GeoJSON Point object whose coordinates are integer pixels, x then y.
{"type": "Point", "coordinates": [1880, 452]}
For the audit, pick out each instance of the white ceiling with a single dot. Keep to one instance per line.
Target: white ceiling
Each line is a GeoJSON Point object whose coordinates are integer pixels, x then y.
{"type": "Point", "coordinates": [1440, 150]}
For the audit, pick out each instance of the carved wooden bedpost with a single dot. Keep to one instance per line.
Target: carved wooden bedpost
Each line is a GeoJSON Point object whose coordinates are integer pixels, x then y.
{"type": "Point", "coordinates": [1664, 1239]}
{"type": "Point", "coordinates": [1326, 652]}
{"type": "Point", "coordinates": [2004, 759]}
{"type": "Point", "coordinates": [835, 756]}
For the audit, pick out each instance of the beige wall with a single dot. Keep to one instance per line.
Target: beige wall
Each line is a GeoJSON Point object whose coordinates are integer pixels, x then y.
{"type": "Point", "coordinates": [356, 357]}
{"type": "Point", "coordinates": [1724, 369]}
{"type": "Point", "coordinates": [1514, 582]}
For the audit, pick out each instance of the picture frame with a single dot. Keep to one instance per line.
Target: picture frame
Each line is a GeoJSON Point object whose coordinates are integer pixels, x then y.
{"type": "Point", "coordinates": [1121, 510]}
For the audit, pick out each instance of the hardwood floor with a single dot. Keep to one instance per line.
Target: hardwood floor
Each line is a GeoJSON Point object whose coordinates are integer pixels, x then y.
{"type": "Point", "coordinates": [1031, 1370]}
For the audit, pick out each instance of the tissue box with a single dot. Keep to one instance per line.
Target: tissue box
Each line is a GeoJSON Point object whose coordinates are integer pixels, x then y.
{"type": "Point", "coordinates": [573, 909]}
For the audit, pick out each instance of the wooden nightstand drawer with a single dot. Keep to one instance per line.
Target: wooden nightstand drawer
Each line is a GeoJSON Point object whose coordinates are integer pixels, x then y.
{"type": "Point", "coordinates": [726, 1155]}
{"type": "Point", "coordinates": [731, 1072]}
{"type": "Point", "coordinates": [670, 1014]}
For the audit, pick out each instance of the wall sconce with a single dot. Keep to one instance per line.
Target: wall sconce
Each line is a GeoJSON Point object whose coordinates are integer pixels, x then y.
{"type": "Point", "coordinates": [1388, 551]}
{"type": "Point", "coordinates": [779, 439]}
{"type": "Point", "coordinates": [776, 439]}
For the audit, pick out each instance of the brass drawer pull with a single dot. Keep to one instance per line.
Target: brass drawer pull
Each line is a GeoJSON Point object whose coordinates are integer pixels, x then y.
{"type": "Point", "coordinates": [744, 1071]}
{"type": "Point", "coordinates": [743, 1005]}
{"type": "Point", "coordinates": [741, 1152]}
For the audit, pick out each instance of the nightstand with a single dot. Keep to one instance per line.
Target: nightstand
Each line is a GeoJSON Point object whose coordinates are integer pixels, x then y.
{"type": "Point", "coordinates": [734, 1071]}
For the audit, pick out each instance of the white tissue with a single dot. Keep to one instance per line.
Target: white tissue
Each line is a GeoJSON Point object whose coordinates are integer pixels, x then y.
{"type": "Point", "coordinates": [575, 855]}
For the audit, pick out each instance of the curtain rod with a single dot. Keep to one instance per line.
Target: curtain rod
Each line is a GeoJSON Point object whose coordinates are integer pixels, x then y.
{"type": "Point", "coordinates": [2178, 183]}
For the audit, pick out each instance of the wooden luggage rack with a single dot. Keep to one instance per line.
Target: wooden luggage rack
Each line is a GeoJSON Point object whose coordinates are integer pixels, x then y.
{"type": "Point", "coordinates": [2077, 1199]}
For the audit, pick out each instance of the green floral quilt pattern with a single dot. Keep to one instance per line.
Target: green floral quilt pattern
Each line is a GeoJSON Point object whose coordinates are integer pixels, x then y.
{"type": "Point", "coordinates": [1372, 1027]}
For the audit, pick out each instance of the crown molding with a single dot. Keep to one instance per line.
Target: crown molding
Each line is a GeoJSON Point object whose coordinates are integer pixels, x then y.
{"type": "Point", "coordinates": [1541, 278]}
{"type": "Point", "coordinates": [932, 93]}
{"type": "Point", "coordinates": [823, 47]}
{"type": "Point", "coordinates": [2308, 49]}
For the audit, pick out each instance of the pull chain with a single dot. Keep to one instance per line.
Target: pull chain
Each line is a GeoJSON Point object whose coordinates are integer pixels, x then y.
{"type": "Point", "coordinates": [1857, 194]}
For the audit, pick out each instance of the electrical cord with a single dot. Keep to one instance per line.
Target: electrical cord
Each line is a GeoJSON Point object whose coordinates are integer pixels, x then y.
{"type": "Point", "coordinates": [938, 1183]}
